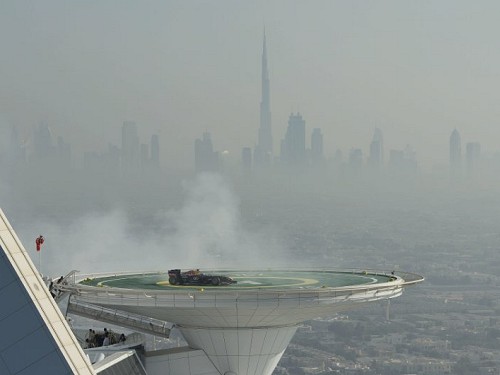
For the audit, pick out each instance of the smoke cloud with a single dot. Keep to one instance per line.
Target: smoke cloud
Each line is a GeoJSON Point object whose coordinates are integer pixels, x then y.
{"type": "Point", "coordinates": [206, 233]}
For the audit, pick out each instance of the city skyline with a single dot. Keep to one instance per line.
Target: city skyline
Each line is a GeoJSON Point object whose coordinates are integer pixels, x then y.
{"type": "Point", "coordinates": [378, 66]}
{"type": "Point", "coordinates": [300, 147]}
{"type": "Point", "coordinates": [274, 134]}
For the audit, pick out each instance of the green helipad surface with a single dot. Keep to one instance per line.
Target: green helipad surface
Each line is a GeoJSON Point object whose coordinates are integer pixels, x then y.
{"type": "Point", "coordinates": [247, 280]}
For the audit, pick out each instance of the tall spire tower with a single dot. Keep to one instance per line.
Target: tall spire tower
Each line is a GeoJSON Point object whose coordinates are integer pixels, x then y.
{"type": "Point", "coordinates": [264, 150]}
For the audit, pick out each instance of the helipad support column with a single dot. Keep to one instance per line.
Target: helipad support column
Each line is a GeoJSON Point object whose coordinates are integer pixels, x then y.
{"type": "Point", "coordinates": [241, 351]}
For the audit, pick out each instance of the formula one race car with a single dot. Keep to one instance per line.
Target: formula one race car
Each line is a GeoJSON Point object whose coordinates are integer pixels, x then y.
{"type": "Point", "coordinates": [195, 277]}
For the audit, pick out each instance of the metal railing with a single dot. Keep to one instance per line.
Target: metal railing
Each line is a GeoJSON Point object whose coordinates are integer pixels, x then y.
{"type": "Point", "coordinates": [405, 278]}
{"type": "Point", "coordinates": [124, 319]}
{"type": "Point", "coordinates": [221, 297]}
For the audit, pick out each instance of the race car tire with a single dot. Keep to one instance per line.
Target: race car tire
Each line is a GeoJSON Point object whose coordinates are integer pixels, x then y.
{"type": "Point", "coordinates": [173, 281]}
{"type": "Point", "coordinates": [215, 281]}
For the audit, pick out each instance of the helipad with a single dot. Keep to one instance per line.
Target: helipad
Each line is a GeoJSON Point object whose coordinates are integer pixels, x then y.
{"type": "Point", "coordinates": [243, 328]}
{"type": "Point", "coordinates": [249, 280]}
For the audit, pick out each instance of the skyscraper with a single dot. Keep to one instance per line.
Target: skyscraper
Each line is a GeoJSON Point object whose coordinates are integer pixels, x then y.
{"type": "Point", "coordinates": [42, 142]}
{"type": "Point", "coordinates": [246, 158]}
{"type": "Point", "coordinates": [16, 153]}
{"type": "Point", "coordinates": [472, 154]}
{"type": "Point", "coordinates": [355, 158]}
{"type": "Point", "coordinates": [264, 150]}
{"type": "Point", "coordinates": [206, 160]}
{"type": "Point", "coordinates": [455, 156]}
{"type": "Point", "coordinates": [155, 150]}
{"type": "Point", "coordinates": [294, 145]}
{"type": "Point", "coordinates": [455, 150]}
{"type": "Point", "coordinates": [63, 152]}
{"type": "Point", "coordinates": [130, 145]}
{"type": "Point", "coordinates": [376, 158]}
{"type": "Point", "coordinates": [317, 146]}
{"type": "Point", "coordinates": [403, 162]}
{"type": "Point", "coordinates": [144, 155]}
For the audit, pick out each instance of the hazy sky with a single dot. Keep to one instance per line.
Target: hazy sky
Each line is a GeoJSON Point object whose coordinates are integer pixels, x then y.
{"type": "Point", "coordinates": [416, 69]}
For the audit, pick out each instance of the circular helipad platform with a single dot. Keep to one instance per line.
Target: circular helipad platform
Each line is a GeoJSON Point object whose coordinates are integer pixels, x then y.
{"type": "Point", "coordinates": [268, 298]}
{"type": "Point", "coordinates": [248, 280]}
{"type": "Point", "coordinates": [249, 322]}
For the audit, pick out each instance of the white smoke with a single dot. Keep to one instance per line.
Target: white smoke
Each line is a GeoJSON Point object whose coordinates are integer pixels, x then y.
{"type": "Point", "coordinates": [206, 233]}
{"type": "Point", "coordinates": [208, 227]}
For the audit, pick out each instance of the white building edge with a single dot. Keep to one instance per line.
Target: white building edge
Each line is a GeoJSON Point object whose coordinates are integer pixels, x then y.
{"type": "Point", "coordinates": [36, 338]}
{"type": "Point", "coordinates": [228, 333]}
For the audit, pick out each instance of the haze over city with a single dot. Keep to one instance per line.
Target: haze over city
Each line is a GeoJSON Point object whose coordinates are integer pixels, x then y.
{"type": "Point", "coordinates": [287, 134]}
{"type": "Point", "coordinates": [417, 71]}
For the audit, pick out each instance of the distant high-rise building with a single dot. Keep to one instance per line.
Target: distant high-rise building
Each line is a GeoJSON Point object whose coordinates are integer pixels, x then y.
{"type": "Point", "coordinates": [63, 152]}
{"type": "Point", "coordinates": [144, 155]}
{"type": "Point", "coordinates": [107, 163]}
{"type": "Point", "coordinates": [45, 150]}
{"type": "Point", "coordinates": [472, 155]}
{"type": "Point", "coordinates": [112, 158]}
{"type": "Point", "coordinates": [246, 158]}
{"type": "Point", "coordinates": [455, 156]}
{"type": "Point", "coordinates": [356, 158]}
{"type": "Point", "coordinates": [16, 153]}
{"type": "Point", "coordinates": [206, 160]}
{"type": "Point", "coordinates": [403, 161]}
{"type": "Point", "coordinates": [317, 146]}
{"type": "Point", "coordinates": [264, 150]}
{"type": "Point", "coordinates": [455, 150]}
{"type": "Point", "coordinates": [130, 145]}
{"type": "Point", "coordinates": [337, 158]}
{"type": "Point", "coordinates": [42, 142]}
{"type": "Point", "coordinates": [91, 160]}
{"type": "Point", "coordinates": [294, 145]}
{"type": "Point", "coordinates": [376, 158]}
{"type": "Point", "coordinates": [155, 150]}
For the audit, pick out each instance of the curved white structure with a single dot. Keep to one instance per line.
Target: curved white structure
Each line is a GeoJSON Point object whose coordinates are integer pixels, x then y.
{"type": "Point", "coordinates": [35, 338]}
{"type": "Point", "coordinates": [243, 330]}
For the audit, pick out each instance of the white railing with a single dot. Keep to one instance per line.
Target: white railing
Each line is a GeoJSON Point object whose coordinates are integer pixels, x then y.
{"type": "Point", "coordinates": [124, 319]}
{"type": "Point", "coordinates": [127, 297]}
{"type": "Point", "coordinates": [219, 297]}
